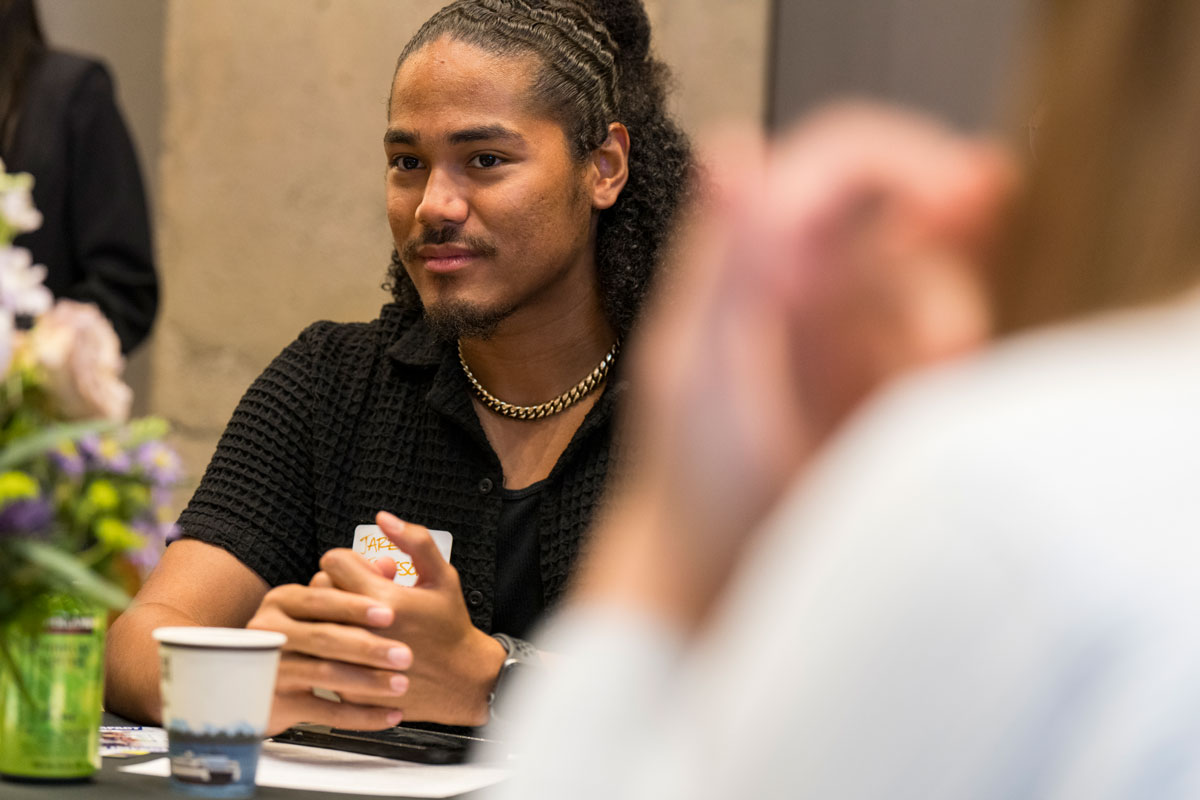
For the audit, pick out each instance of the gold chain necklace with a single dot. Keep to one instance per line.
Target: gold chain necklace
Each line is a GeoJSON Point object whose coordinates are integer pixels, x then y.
{"type": "Point", "coordinates": [550, 407]}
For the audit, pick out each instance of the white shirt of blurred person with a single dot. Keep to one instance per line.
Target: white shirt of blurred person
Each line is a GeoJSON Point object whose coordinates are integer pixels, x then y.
{"type": "Point", "coordinates": [994, 597]}
{"type": "Point", "coordinates": [985, 585]}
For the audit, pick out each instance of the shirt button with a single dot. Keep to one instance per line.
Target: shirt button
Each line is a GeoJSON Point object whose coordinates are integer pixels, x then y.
{"type": "Point", "coordinates": [485, 485]}
{"type": "Point", "coordinates": [475, 598]}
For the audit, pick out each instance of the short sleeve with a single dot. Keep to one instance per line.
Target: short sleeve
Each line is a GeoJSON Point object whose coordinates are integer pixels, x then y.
{"type": "Point", "coordinates": [256, 497]}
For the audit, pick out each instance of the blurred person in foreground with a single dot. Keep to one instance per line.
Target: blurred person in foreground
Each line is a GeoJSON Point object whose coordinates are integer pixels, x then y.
{"type": "Point", "coordinates": [980, 583]}
{"type": "Point", "coordinates": [60, 122]}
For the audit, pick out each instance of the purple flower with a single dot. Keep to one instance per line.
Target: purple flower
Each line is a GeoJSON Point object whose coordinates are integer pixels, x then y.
{"type": "Point", "coordinates": [159, 463]}
{"type": "Point", "coordinates": [160, 497]}
{"type": "Point", "coordinates": [67, 459]}
{"type": "Point", "coordinates": [106, 453]}
{"type": "Point", "coordinates": [26, 517]}
{"type": "Point", "coordinates": [157, 535]}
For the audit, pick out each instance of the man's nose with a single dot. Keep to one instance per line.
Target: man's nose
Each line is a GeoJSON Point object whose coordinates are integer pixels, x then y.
{"type": "Point", "coordinates": [444, 202]}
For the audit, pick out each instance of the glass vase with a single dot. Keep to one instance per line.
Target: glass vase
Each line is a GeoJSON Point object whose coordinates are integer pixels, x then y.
{"type": "Point", "coordinates": [50, 708]}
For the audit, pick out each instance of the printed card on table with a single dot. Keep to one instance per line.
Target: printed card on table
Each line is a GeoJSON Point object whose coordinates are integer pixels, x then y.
{"type": "Point", "coordinates": [372, 544]}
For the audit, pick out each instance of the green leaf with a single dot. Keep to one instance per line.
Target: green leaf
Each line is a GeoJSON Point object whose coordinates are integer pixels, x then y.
{"type": "Point", "coordinates": [147, 429]}
{"type": "Point", "coordinates": [46, 439]}
{"type": "Point", "coordinates": [73, 573]}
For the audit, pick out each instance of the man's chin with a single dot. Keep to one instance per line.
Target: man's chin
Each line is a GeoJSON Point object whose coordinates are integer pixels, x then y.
{"type": "Point", "coordinates": [451, 321]}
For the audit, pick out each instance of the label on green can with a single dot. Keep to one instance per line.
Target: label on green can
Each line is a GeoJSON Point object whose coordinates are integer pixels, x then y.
{"type": "Point", "coordinates": [49, 728]}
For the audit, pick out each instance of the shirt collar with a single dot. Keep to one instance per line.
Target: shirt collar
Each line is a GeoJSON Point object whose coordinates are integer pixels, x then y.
{"type": "Point", "coordinates": [413, 343]}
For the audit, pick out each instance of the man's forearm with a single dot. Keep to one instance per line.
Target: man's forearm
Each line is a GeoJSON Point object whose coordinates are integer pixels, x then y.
{"type": "Point", "coordinates": [131, 661]}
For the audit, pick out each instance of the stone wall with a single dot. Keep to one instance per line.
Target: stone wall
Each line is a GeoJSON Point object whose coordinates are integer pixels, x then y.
{"type": "Point", "coordinates": [271, 205]}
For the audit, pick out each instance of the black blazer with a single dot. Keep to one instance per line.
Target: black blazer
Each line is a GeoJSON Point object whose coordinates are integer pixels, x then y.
{"type": "Point", "coordinates": [95, 240]}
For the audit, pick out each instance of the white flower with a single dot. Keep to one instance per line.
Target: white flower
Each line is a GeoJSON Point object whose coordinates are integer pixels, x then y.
{"type": "Point", "coordinates": [16, 206]}
{"type": "Point", "coordinates": [80, 355]}
{"type": "Point", "coordinates": [21, 289]}
{"type": "Point", "coordinates": [16, 202]}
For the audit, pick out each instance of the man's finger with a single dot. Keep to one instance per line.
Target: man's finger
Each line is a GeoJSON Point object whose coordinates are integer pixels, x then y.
{"type": "Point", "coordinates": [431, 568]}
{"type": "Point", "coordinates": [348, 643]}
{"type": "Point", "coordinates": [386, 567]}
{"type": "Point", "coordinates": [321, 580]}
{"type": "Point", "coordinates": [353, 573]}
{"type": "Point", "coordinates": [299, 672]}
{"type": "Point", "coordinates": [327, 604]}
{"type": "Point", "coordinates": [351, 644]}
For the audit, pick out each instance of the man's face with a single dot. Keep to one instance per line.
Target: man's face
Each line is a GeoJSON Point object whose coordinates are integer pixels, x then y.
{"type": "Point", "coordinates": [489, 212]}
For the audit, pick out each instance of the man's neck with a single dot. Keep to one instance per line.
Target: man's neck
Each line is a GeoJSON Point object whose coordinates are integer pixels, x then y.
{"type": "Point", "coordinates": [529, 361]}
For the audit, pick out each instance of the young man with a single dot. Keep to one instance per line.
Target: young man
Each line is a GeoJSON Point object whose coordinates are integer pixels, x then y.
{"type": "Point", "coordinates": [531, 175]}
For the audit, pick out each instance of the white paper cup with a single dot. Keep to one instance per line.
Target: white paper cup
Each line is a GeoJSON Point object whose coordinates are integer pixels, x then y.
{"type": "Point", "coordinates": [217, 687]}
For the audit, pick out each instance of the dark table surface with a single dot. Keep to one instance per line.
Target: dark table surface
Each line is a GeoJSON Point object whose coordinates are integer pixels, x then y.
{"type": "Point", "coordinates": [109, 783]}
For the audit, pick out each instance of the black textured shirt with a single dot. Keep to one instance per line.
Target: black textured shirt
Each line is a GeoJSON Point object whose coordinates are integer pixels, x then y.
{"type": "Point", "coordinates": [353, 418]}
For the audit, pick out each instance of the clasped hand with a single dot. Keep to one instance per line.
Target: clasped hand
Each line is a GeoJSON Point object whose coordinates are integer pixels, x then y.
{"type": "Point", "coordinates": [389, 651]}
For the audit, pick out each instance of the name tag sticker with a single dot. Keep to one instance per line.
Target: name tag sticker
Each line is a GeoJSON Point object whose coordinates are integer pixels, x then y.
{"type": "Point", "coordinates": [372, 544]}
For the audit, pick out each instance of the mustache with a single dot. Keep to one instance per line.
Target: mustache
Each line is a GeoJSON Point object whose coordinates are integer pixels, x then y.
{"type": "Point", "coordinates": [447, 234]}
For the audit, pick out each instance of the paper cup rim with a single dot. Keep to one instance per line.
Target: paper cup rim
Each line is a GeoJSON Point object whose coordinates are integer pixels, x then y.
{"type": "Point", "coordinates": [205, 638]}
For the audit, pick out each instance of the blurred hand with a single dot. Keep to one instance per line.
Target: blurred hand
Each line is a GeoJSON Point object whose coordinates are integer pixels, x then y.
{"type": "Point", "coordinates": [818, 271]}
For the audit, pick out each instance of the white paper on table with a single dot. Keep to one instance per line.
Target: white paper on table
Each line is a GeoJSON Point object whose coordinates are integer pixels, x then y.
{"type": "Point", "coordinates": [293, 766]}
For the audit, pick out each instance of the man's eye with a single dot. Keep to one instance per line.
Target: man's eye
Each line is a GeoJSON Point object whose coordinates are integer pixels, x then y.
{"type": "Point", "coordinates": [486, 160]}
{"type": "Point", "coordinates": [407, 162]}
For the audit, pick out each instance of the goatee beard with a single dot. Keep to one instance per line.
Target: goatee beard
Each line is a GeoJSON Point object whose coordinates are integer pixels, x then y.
{"type": "Point", "coordinates": [454, 320]}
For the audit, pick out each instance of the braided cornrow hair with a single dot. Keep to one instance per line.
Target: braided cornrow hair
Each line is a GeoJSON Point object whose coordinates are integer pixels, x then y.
{"type": "Point", "coordinates": [596, 69]}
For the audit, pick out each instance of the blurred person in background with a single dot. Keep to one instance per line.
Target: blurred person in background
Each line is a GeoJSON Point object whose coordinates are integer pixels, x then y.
{"type": "Point", "coordinates": [59, 121]}
{"type": "Point", "coordinates": [978, 583]}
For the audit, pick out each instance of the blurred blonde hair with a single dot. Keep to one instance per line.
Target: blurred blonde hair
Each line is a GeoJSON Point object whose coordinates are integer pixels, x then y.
{"type": "Point", "coordinates": [1110, 216]}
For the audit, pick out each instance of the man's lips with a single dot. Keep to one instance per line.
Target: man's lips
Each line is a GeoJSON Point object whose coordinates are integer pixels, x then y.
{"type": "Point", "coordinates": [439, 258]}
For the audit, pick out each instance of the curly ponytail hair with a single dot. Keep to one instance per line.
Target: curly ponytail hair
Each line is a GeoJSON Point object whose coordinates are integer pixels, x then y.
{"type": "Point", "coordinates": [596, 69]}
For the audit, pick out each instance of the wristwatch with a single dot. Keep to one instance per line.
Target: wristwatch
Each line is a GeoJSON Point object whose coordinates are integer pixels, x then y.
{"type": "Point", "coordinates": [519, 655]}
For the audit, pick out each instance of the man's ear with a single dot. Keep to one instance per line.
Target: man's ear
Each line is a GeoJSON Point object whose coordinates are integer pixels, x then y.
{"type": "Point", "coordinates": [609, 167]}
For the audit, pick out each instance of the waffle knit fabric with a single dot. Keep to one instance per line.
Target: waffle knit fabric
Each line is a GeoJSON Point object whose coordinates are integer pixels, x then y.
{"type": "Point", "coordinates": [352, 418]}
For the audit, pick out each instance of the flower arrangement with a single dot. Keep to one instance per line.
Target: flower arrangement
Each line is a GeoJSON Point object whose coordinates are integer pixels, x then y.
{"type": "Point", "coordinates": [80, 485]}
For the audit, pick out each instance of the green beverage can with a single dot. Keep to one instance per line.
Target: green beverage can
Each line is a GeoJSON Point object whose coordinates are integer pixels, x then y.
{"type": "Point", "coordinates": [50, 709]}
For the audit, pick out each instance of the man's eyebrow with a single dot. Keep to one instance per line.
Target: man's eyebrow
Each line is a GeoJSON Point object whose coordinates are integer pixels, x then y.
{"type": "Point", "coordinates": [479, 133]}
{"type": "Point", "coordinates": [401, 136]}
{"type": "Point", "coordinates": [482, 133]}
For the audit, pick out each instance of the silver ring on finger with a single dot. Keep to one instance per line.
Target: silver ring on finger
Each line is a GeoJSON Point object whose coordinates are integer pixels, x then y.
{"type": "Point", "coordinates": [327, 694]}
